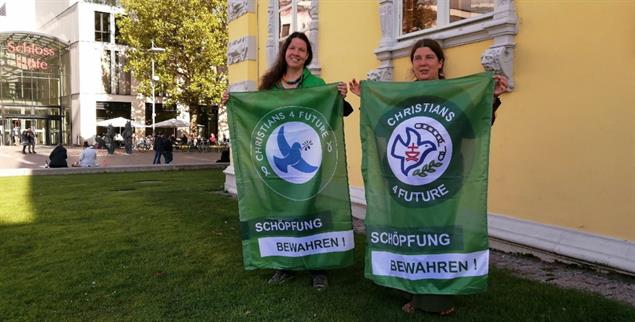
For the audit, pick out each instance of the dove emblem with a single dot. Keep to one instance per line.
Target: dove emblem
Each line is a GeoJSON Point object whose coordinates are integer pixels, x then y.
{"type": "Point", "coordinates": [291, 155]}
{"type": "Point", "coordinates": [419, 150]}
{"type": "Point", "coordinates": [412, 150]}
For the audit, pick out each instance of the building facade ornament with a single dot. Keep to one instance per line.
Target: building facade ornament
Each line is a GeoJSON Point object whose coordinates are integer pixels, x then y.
{"type": "Point", "coordinates": [500, 60]}
{"type": "Point", "coordinates": [272, 42]}
{"type": "Point", "coordinates": [380, 74]}
{"type": "Point", "coordinates": [314, 67]}
{"type": "Point", "coordinates": [387, 23]}
{"type": "Point", "coordinates": [241, 49]}
{"type": "Point", "coordinates": [499, 57]}
{"type": "Point", "coordinates": [387, 41]}
{"type": "Point", "coordinates": [384, 71]}
{"type": "Point", "coordinates": [239, 8]}
{"type": "Point", "coordinates": [244, 86]}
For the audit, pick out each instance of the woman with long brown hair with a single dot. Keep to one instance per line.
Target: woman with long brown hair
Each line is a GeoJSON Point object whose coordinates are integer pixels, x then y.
{"type": "Point", "coordinates": [290, 72]}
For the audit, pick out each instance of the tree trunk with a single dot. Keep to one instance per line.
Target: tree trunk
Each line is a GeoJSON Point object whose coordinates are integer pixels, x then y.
{"type": "Point", "coordinates": [195, 111]}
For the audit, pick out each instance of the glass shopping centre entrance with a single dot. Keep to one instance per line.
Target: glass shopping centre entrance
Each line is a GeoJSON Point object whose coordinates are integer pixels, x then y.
{"type": "Point", "coordinates": [34, 88]}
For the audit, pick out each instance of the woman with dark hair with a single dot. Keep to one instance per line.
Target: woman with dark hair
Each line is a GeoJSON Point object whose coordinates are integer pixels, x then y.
{"type": "Point", "coordinates": [290, 69]}
{"type": "Point", "coordinates": [289, 72]}
{"type": "Point", "coordinates": [427, 60]}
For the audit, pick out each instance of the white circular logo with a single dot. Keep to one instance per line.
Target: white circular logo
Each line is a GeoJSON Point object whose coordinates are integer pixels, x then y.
{"type": "Point", "coordinates": [419, 150]}
{"type": "Point", "coordinates": [294, 152]}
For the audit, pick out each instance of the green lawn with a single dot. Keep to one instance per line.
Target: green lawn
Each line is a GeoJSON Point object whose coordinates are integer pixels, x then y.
{"type": "Point", "coordinates": [165, 246]}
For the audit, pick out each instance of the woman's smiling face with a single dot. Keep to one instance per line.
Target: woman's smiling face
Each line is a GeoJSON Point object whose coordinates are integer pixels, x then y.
{"type": "Point", "coordinates": [296, 54]}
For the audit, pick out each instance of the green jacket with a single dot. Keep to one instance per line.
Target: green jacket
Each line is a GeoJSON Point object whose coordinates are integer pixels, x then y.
{"type": "Point", "coordinates": [308, 80]}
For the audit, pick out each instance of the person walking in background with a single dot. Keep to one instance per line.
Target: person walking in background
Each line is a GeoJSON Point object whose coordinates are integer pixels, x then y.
{"type": "Point", "coordinates": [57, 158]}
{"type": "Point", "coordinates": [167, 149]}
{"type": "Point", "coordinates": [158, 148]}
{"type": "Point", "coordinates": [24, 141]}
{"type": "Point", "coordinates": [28, 141]}
{"type": "Point", "coordinates": [31, 140]}
{"type": "Point", "coordinates": [15, 134]}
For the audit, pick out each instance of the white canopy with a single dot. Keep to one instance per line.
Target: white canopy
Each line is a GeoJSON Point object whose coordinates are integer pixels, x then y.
{"type": "Point", "coordinates": [118, 122]}
{"type": "Point", "coordinates": [172, 123]}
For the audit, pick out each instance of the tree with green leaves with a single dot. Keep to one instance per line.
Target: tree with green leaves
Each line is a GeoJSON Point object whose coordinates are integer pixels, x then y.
{"type": "Point", "coordinates": [192, 69]}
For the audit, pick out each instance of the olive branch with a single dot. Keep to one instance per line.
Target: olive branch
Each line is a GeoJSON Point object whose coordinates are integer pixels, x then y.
{"type": "Point", "coordinates": [427, 168]}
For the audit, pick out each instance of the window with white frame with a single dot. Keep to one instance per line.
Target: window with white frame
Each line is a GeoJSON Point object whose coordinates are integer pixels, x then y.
{"type": "Point", "coordinates": [293, 15]}
{"type": "Point", "coordinates": [452, 23]}
{"type": "Point", "coordinates": [102, 26]}
{"type": "Point", "coordinates": [288, 16]}
{"type": "Point", "coordinates": [418, 15]}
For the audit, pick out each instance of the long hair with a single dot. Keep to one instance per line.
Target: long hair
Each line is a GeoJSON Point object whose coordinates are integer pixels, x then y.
{"type": "Point", "coordinates": [436, 49]}
{"type": "Point", "coordinates": [275, 73]}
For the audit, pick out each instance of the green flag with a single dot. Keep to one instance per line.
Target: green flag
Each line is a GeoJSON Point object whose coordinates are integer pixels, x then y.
{"type": "Point", "coordinates": [290, 163]}
{"type": "Point", "coordinates": [425, 162]}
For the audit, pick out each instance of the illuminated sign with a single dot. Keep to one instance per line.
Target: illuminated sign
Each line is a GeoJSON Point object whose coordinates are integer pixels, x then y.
{"type": "Point", "coordinates": [30, 56]}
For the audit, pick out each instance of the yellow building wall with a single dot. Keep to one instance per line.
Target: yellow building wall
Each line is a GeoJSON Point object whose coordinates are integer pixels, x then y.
{"type": "Point", "coordinates": [246, 70]}
{"type": "Point", "coordinates": [563, 144]}
{"type": "Point", "coordinates": [563, 149]}
{"type": "Point", "coordinates": [243, 26]}
{"type": "Point", "coordinates": [349, 33]}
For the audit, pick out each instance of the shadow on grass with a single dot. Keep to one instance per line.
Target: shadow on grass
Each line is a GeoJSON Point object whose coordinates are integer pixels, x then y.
{"type": "Point", "coordinates": [166, 246]}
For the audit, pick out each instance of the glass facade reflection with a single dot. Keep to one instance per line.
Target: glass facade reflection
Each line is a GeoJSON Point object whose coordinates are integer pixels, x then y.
{"type": "Point", "coordinates": [34, 88]}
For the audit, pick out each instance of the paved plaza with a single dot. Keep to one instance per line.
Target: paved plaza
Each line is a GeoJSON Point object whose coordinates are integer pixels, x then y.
{"type": "Point", "coordinates": [14, 162]}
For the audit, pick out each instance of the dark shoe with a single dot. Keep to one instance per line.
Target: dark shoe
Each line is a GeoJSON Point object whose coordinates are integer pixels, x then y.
{"type": "Point", "coordinates": [320, 282]}
{"type": "Point", "coordinates": [280, 277]}
{"type": "Point", "coordinates": [409, 307]}
{"type": "Point", "coordinates": [431, 303]}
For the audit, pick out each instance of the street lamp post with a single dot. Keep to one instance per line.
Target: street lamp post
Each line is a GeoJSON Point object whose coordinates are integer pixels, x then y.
{"type": "Point", "coordinates": [154, 78]}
